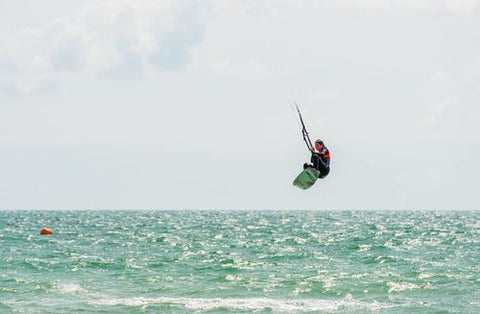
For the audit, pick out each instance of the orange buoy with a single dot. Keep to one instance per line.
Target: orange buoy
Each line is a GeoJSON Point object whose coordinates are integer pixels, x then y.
{"type": "Point", "coordinates": [46, 231]}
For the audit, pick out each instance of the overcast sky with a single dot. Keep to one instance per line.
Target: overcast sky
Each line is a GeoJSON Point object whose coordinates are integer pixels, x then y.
{"type": "Point", "coordinates": [185, 104]}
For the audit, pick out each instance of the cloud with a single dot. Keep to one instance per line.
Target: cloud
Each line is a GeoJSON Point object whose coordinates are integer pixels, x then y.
{"type": "Point", "coordinates": [439, 84]}
{"type": "Point", "coordinates": [26, 87]}
{"type": "Point", "coordinates": [440, 111]}
{"type": "Point", "coordinates": [451, 6]}
{"type": "Point", "coordinates": [176, 44]}
{"type": "Point", "coordinates": [112, 38]}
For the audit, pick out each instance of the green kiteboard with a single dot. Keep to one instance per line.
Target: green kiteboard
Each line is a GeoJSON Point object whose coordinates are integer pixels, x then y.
{"type": "Point", "coordinates": [306, 178]}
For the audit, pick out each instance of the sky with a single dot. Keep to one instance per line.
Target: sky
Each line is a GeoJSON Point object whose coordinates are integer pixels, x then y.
{"type": "Point", "coordinates": [186, 104]}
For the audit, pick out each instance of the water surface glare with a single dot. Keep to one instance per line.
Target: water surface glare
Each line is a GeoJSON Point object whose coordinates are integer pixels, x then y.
{"type": "Point", "coordinates": [240, 261]}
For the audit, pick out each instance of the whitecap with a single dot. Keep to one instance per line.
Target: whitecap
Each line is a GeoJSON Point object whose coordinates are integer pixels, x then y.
{"type": "Point", "coordinates": [70, 288]}
{"type": "Point", "coordinates": [231, 277]}
{"type": "Point", "coordinates": [401, 286]}
{"type": "Point", "coordinates": [248, 304]}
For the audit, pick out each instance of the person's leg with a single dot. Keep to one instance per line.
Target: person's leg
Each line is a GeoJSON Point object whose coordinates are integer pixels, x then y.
{"type": "Point", "coordinates": [320, 166]}
{"type": "Point", "coordinates": [324, 172]}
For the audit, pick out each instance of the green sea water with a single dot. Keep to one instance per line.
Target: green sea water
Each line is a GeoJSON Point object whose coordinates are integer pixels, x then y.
{"type": "Point", "coordinates": [240, 261]}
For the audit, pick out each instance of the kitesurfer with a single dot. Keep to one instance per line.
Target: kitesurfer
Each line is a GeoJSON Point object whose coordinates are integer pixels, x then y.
{"type": "Point", "coordinates": [320, 159]}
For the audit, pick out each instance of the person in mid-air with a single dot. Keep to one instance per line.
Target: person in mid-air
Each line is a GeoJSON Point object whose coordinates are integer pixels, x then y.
{"type": "Point", "coordinates": [320, 159]}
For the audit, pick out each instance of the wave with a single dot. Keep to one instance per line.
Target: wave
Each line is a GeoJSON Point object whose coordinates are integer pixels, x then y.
{"type": "Point", "coordinates": [246, 304]}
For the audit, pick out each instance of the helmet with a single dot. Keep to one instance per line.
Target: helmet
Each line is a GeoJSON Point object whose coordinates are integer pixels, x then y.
{"type": "Point", "coordinates": [319, 141]}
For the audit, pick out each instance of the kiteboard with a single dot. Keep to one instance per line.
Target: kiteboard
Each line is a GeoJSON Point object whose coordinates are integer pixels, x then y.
{"type": "Point", "coordinates": [306, 178]}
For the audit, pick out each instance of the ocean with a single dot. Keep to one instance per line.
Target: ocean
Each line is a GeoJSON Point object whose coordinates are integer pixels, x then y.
{"type": "Point", "coordinates": [240, 261]}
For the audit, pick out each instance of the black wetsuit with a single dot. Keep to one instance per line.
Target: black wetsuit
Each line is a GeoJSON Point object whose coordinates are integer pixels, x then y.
{"type": "Point", "coordinates": [321, 161]}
